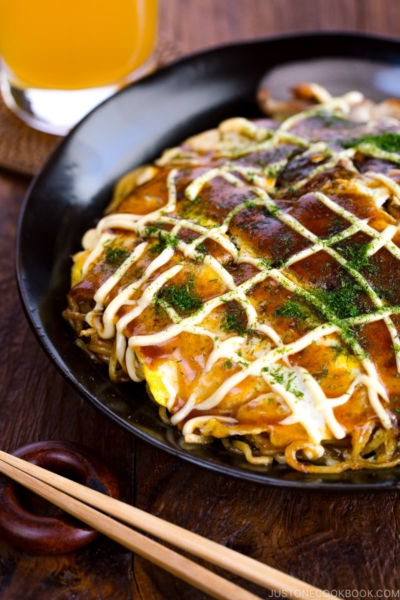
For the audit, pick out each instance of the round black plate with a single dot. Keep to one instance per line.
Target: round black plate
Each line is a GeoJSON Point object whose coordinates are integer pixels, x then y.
{"type": "Point", "coordinates": [134, 127]}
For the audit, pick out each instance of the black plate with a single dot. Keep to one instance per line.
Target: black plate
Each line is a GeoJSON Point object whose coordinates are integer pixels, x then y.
{"type": "Point", "coordinates": [134, 127]}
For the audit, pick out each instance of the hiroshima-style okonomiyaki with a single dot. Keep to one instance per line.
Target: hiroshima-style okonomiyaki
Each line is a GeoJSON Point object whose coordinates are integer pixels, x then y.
{"type": "Point", "coordinates": [251, 277]}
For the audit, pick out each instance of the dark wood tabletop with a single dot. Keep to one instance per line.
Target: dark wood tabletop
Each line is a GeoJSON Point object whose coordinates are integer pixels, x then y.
{"type": "Point", "coordinates": [345, 543]}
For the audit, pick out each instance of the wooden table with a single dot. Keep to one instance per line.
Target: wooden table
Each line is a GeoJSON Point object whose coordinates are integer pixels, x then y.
{"type": "Point", "coordinates": [334, 541]}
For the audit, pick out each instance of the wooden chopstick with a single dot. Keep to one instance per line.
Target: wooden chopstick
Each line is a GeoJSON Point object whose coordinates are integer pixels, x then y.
{"type": "Point", "coordinates": [189, 571]}
{"type": "Point", "coordinates": [195, 544]}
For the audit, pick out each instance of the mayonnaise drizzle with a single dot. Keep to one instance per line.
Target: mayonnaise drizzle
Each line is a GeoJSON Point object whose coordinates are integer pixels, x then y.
{"type": "Point", "coordinates": [300, 390]}
{"type": "Point", "coordinates": [97, 251]}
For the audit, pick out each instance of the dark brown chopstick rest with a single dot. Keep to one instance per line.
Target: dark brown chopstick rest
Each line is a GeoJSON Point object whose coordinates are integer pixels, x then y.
{"type": "Point", "coordinates": [52, 534]}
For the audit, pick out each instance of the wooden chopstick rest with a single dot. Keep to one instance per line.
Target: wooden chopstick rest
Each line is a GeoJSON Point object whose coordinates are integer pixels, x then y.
{"type": "Point", "coordinates": [52, 534]}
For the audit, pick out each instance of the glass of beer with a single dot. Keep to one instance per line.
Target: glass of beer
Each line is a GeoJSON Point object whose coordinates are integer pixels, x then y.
{"type": "Point", "coordinates": [60, 59]}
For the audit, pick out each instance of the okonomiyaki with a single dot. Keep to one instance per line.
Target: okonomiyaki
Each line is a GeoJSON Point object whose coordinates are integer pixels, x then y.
{"type": "Point", "coordinates": [251, 277]}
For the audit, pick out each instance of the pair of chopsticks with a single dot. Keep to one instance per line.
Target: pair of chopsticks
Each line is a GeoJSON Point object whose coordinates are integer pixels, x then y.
{"type": "Point", "coordinates": [78, 500]}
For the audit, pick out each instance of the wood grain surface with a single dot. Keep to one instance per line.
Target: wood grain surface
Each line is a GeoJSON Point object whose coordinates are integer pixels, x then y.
{"type": "Point", "coordinates": [333, 541]}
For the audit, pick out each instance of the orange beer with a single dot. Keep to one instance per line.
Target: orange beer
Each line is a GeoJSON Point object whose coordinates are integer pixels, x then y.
{"type": "Point", "coordinates": [76, 44]}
